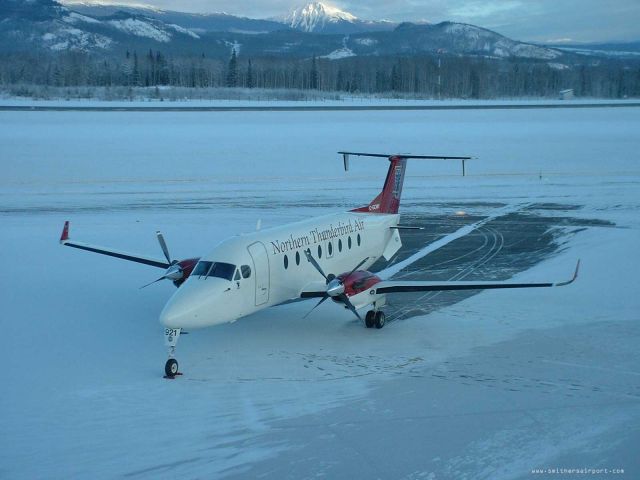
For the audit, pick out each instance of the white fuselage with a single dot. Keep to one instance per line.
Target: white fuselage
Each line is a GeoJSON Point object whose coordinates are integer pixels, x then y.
{"type": "Point", "coordinates": [270, 266]}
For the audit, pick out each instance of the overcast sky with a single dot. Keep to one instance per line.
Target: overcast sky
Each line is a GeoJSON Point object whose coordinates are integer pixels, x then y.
{"type": "Point", "coordinates": [533, 20]}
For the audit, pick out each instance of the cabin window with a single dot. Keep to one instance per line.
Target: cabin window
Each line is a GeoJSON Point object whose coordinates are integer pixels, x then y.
{"type": "Point", "coordinates": [246, 271]}
{"type": "Point", "coordinates": [358, 239]}
{"type": "Point", "coordinates": [319, 251]}
{"type": "Point", "coordinates": [297, 258]}
{"type": "Point", "coordinates": [286, 262]}
{"type": "Point", "coordinates": [222, 270]}
{"type": "Point", "coordinates": [339, 245]}
{"type": "Point", "coordinates": [237, 276]}
{"type": "Point", "coordinates": [349, 242]}
{"type": "Point", "coordinates": [330, 249]}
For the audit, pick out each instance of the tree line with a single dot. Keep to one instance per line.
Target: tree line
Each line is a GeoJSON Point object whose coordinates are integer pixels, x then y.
{"type": "Point", "coordinates": [444, 76]}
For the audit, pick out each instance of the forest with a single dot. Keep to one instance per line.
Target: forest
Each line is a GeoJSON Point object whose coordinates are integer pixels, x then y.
{"type": "Point", "coordinates": [427, 76]}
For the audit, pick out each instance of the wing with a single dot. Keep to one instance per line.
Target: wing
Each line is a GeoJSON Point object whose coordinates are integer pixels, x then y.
{"type": "Point", "coordinates": [64, 240]}
{"type": "Point", "coordinates": [392, 286]}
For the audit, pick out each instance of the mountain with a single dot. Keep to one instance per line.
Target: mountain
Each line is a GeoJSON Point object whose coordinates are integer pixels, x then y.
{"type": "Point", "coordinates": [449, 38]}
{"type": "Point", "coordinates": [197, 22]}
{"type": "Point", "coordinates": [45, 25]}
{"type": "Point", "coordinates": [318, 17]}
{"type": "Point", "coordinates": [609, 50]}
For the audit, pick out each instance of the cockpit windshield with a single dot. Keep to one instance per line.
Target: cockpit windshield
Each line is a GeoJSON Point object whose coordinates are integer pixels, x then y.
{"type": "Point", "coordinates": [214, 269]}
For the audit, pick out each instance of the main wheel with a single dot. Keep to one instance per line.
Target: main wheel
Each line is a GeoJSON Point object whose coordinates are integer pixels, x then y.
{"type": "Point", "coordinates": [171, 367]}
{"type": "Point", "coordinates": [380, 319]}
{"type": "Point", "coordinates": [369, 319]}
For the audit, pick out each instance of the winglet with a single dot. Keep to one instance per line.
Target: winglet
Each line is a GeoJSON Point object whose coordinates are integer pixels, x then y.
{"type": "Point", "coordinates": [65, 232]}
{"type": "Point", "coordinates": [573, 279]}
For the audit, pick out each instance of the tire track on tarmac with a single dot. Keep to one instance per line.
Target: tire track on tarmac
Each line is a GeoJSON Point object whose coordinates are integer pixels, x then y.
{"type": "Point", "coordinates": [490, 235]}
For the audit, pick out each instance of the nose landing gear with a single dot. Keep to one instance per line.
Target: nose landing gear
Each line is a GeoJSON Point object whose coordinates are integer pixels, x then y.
{"type": "Point", "coordinates": [171, 368]}
{"type": "Point", "coordinates": [171, 336]}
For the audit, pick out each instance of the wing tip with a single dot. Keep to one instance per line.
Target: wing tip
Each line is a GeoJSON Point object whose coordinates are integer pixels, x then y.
{"type": "Point", "coordinates": [65, 233]}
{"type": "Point", "coordinates": [573, 279]}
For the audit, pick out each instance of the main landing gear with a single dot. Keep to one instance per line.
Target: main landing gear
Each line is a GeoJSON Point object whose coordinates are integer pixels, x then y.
{"type": "Point", "coordinates": [171, 336]}
{"type": "Point", "coordinates": [374, 318]}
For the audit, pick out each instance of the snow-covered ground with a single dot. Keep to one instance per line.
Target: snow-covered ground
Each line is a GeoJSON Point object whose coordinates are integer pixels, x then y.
{"type": "Point", "coordinates": [270, 98]}
{"type": "Point", "coordinates": [490, 387]}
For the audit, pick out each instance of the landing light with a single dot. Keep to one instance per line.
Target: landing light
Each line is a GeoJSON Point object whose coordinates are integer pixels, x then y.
{"type": "Point", "coordinates": [460, 213]}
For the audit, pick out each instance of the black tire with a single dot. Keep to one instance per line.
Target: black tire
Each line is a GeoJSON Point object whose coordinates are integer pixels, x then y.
{"type": "Point", "coordinates": [171, 367]}
{"type": "Point", "coordinates": [369, 319]}
{"type": "Point", "coordinates": [380, 319]}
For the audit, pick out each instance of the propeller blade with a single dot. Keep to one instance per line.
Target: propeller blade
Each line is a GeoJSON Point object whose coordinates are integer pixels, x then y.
{"type": "Point", "coordinates": [155, 281]}
{"type": "Point", "coordinates": [358, 266]}
{"type": "Point", "coordinates": [316, 306]}
{"type": "Point", "coordinates": [349, 305]}
{"type": "Point", "coordinates": [163, 245]}
{"type": "Point", "coordinates": [313, 262]}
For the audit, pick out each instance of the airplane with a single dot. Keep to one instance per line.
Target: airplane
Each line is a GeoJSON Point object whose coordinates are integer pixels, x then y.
{"type": "Point", "coordinates": [325, 257]}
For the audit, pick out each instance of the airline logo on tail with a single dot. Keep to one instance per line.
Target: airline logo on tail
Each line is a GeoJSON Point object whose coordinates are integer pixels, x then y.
{"type": "Point", "coordinates": [397, 186]}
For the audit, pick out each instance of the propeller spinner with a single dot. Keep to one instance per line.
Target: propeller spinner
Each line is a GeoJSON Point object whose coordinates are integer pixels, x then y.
{"type": "Point", "coordinates": [175, 272]}
{"type": "Point", "coordinates": [335, 286]}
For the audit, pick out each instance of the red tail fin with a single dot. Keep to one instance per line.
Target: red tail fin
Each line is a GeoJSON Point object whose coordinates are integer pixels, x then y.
{"type": "Point", "coordinates": [388, 201]}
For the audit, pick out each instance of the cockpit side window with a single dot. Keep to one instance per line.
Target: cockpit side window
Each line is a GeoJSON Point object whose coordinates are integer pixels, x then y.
{"type": "Point", "coordinates": [202, 268]}
{"type": "Point", "coordinates": [222, 270]}
{"type": "Point", "coordinates": [246, 271]}
{"type": "Point", "coordinates": [237, 277]}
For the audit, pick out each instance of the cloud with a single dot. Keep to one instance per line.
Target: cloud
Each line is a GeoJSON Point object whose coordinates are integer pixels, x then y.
{"type": "Point", "coordinates": [478, 10]}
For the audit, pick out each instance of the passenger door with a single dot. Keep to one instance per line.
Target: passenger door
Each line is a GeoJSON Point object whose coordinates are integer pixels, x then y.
{"type": "Point", "coordinates": [261, 271]}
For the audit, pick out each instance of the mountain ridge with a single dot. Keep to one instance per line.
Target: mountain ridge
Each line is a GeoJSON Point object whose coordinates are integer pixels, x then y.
{"type": "Point", "coordinates": [48, 25]}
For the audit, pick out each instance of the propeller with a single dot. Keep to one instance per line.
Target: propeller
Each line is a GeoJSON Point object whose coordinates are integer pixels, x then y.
{"type": "Point", "coordinates": [335, 286]}
{"type": "Point", "coordinates": [174, 272]}
{"type": "Point", "coordinates": [163, 245]}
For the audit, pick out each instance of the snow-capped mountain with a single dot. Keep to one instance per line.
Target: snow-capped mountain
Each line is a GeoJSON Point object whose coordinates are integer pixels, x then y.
{"type": "Point", "coordinates": [319, 17]}
{"type": "Point", "coordinates": [458, 38]}
{"type": "Point", "coordinates": [316, 15]}
{"type": "Point", "coordinates": [195, 22]}
{"type": "Point", "coordinates": [33, 25]}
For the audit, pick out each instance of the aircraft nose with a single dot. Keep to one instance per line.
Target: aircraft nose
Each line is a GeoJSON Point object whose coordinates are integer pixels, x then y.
{"type": "Point", "coordinates": [192, 306]}
{"type": "Point", "coordinates": [171, 317]}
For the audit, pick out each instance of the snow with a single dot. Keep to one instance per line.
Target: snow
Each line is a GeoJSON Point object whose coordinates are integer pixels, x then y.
{"type": "Point", "coordinates": [186, 31]}
{"type": "Point", "coordinates": [503, 47]}
{"type": "Point", "coordinates": [490, 387]}
{"type": "Point", "coordinates": [343, 52]}
{"type": "Point", "coordinates": [141, 28]}
{"type": "Point", "coordinates": [315, 16]}
{"type": "Point", "coordinates": [558, 66]}
{"type": "Point", "coordinates": [75, 17]}
{"type": "Point", "coordinates": [604, 53]}
{"type": "Point", "coordinates": [74, 38]}
{"type": "Point", "coordinates": [338, 54]}
{"type": "Point", "coordinates": [367, 42]}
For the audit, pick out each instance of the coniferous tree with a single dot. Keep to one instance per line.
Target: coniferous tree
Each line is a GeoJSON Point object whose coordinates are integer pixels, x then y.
{"type": "Point", "coordinates": [396, 79]}
{"type": "Point", "coordinates": [250, 80]}
{"type": "Point", "coordinates": [232, 71]}
{"type": "Point", "coordinates": [313, 77]}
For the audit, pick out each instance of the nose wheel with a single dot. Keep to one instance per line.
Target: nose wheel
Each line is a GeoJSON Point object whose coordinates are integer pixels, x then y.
{"type": "Point", "coordinates": [171, 368]}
